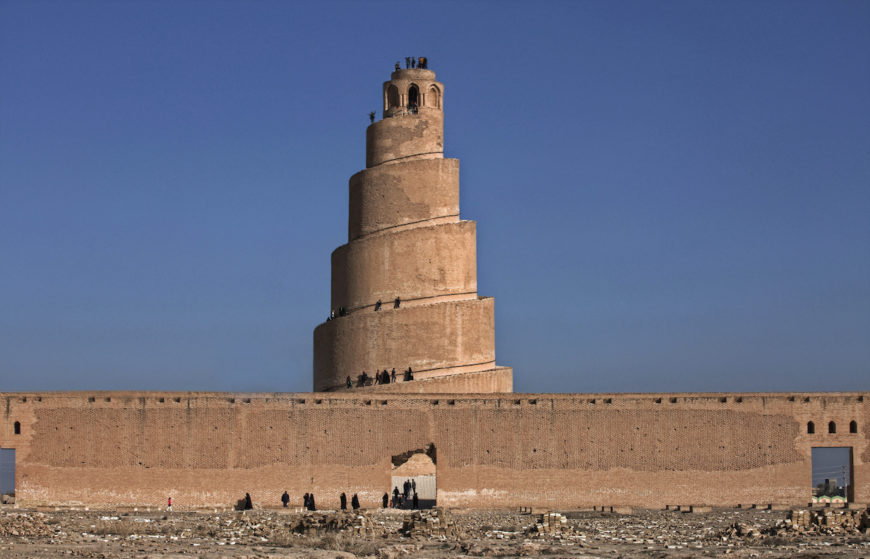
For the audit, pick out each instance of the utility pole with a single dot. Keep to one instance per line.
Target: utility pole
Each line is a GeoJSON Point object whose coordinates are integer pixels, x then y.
{"type": "Point", "coordinates": [845, 484]}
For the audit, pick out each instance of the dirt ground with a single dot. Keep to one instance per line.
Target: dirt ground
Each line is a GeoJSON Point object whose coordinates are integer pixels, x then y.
{"type": "Point", "coordinates": [433, 534]}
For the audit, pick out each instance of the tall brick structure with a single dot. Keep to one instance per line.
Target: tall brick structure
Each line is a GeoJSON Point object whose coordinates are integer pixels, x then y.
{"type": "Point", "coordinates": [404, 287]}
{"type": "Point", "coordinates": [477, 449]}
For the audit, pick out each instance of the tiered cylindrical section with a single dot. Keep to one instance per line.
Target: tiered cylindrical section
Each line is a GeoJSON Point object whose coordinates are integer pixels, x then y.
{"type": "Point", "coordinates": [414, 264]}
{"type": "Point", "coordinates": [413, 193]}
{"type": "Point", "coordinates": [419, 136]}
{"type": "Point", "coordinates": [439, 339]}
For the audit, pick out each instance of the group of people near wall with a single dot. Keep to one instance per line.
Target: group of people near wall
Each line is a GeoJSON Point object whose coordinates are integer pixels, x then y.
{"type": "Point", "coordinates": [380, 378]}
{"type": "Point", "coordinates": [399, 500]}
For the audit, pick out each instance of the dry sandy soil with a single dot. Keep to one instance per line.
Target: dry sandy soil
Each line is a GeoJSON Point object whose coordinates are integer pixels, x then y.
{"type": "Point", "coordinates": [434, 534]}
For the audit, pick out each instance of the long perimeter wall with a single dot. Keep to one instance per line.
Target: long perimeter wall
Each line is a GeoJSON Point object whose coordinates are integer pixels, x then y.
{"type": "Point", "coordinates": [491, 451]}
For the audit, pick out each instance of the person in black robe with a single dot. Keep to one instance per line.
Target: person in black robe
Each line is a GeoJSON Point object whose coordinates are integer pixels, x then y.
{"type": "Point", "coordinates": [354, 502]}
{"type": "Point", "coordinates": [305, 502]}
{"type": "Point", "coordinates": [395, 496]}
{"type": "Point", "coordinates": [416, 502]}
{"type": "Point", "coordinates": [248, 504]}
{"type": "Point", "coordinates": [343, 499]}
{"type": "Point", "coordinates": [311, 506]}
{"type": "Point", "coordinates": [386, 500]}
{"type": "Point", "coordinates": [285, 498]}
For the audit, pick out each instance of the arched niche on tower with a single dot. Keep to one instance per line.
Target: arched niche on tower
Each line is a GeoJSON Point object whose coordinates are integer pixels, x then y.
{"type": "Point", "coordinates": [433, 97]}
{"type": "Point", "coordinates": [413, 96]}
{"type": "Point", "coordinates": [391, 97]}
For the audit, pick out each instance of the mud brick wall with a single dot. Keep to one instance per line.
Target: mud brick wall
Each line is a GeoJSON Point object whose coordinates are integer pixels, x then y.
{"type": "Point", "coordinates": [556, 450]}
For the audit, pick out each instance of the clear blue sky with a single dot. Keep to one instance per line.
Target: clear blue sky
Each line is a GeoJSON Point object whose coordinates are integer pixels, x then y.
{"type": "Point", "coordinates": [670, 196]}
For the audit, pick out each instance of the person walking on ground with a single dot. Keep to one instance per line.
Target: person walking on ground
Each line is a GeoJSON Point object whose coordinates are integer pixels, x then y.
{"type": "Point", "coordinates": [416, 501]}
{"type": "Point", "coordinates": [385, 500]}
{"type": "Point", "coordinates": [169, 505]}
{"type": "Point", "coordinates": [248, 503]}
{"type": "Point", "coordinates": [311, 506]}
{"type": "Point", "coordinates": [305, 502]}
{"type": "Point", "coordinates": [285, 498]}
{"type": "Point", "coordinates": [395, 496]}
{"type": "Point", "coordinates": [413, 485]}
{"type": "Point", "coordinates": [354, 502]}
{"type": "Point", "coordinates": [343, 499]}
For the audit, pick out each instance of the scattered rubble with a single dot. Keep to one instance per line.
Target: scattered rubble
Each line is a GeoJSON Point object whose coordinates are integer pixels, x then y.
{"type": "Point", "coordinates": [433, 522]}
{"type": "Point", "coordinates": [434, 534]}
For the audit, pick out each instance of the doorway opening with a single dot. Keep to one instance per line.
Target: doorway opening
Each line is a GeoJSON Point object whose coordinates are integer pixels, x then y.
{"type": "Point", "coordinates": [414, 472]}
{"type": "Point", "coordinates": [7, 475]}
{"type": "Point", "coordinates": [413, 98]}
{"type": "Point", "coordinates": [832, 475]}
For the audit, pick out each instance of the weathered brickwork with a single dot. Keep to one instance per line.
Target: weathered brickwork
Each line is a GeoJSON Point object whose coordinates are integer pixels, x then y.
{"type": "Point", "coordinates": [573, 450]}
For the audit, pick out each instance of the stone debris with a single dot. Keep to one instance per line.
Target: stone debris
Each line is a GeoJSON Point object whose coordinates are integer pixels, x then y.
{"type": "Point", "coordinates": [24, 524]}
{"type": "Point", "coordinates": [802, 523]}
{"type": "Point", "coordinates": [550, 524]}
{"type": "Point", "coordinates": [432, 522]}
{"type": "Point", "coordinates": [435, 533]}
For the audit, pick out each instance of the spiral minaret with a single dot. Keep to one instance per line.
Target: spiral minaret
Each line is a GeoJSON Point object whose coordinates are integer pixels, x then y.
{"type": "Point", "coordinates": [404, 287]}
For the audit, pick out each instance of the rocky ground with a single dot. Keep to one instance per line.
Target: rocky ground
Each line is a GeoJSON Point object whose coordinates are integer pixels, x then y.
{"type": "Point", "coordinates": [433, 534]}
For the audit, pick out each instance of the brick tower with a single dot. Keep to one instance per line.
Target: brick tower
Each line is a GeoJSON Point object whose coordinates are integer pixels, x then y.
{"type": "Point", "coordinates": [404, 287]}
